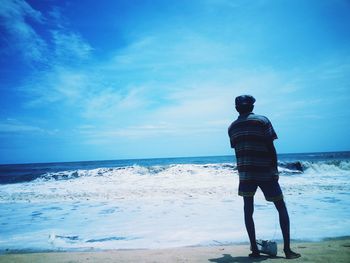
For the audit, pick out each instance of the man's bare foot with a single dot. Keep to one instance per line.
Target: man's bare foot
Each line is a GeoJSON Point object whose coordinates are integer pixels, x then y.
{"type": "Point", "coordinates": [290, 254]}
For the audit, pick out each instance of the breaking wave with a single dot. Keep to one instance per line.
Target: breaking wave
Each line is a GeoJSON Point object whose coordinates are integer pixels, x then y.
{"type": "Point", "coordinates": [285, 168]}
{"type": "Point", "coordinates": [180, 180]}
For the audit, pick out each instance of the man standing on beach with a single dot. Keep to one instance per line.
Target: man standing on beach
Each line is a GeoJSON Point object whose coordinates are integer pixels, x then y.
{"type": "Point", "coordinates": [252, 138]}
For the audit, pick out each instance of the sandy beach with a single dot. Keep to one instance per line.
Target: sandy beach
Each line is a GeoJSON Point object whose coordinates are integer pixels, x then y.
{"type": "Point", "coordinates": [334, 250]}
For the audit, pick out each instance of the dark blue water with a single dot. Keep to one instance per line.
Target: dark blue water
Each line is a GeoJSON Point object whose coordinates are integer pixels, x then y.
{"type": "Point", "coordinates": [16, 173]}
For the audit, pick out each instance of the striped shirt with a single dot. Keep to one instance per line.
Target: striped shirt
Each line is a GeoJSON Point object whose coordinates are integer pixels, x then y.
{"type": "Point", "coordinates": [249, 135]}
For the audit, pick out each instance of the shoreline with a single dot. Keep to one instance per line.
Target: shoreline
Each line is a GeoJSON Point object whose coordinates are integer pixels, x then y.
{"type": "Point", "coordinates": [216, 244]}
{"type": "Point", "coordinates": [328, 250]}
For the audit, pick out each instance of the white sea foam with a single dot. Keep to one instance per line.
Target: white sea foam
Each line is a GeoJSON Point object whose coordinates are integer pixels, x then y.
{"type": "Point", "coordinates": [166, 206]}
{"type": "Point", "coordinates": [135, 182]}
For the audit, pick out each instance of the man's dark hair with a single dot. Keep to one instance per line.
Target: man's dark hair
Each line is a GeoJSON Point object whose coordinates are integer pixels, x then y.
{"type": "Point", "coordinates": [244, 108]}
{"type": "Point", "coordinates": [244, 104]}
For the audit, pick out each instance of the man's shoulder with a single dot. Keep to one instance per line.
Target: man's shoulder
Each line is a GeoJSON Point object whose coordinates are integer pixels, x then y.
{"type": "Point", "coordinates": [231, 126]}
{"type": "Point", "coordinates": [238, 120]}
{"type": "Point", "coordinates": [252, 117]}
{"type": "Point", "coordinates": [258, 117]}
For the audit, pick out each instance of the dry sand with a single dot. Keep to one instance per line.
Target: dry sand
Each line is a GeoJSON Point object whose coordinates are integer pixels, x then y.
{"type": "Point", "coordinates": [335, 250]}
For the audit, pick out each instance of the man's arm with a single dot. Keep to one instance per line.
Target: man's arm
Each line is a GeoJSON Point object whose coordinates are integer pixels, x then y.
{"type": "Point", "coordinates": [272, 152]}
{"type": "Point", "coordinates": [232, 143]}
{"type": "Point", "coordinates": [270, 135]}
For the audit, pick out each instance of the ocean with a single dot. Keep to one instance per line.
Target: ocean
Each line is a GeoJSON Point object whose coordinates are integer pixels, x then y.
{"type": "Point", "coordinates": [161, 203]}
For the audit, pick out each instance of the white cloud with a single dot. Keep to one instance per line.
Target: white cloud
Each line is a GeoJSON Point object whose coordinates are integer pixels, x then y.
{"type": "Point", "coordinates": [24, 37]}
{"type": "Point", "coordinates": [70, 46]}
{"type": "Point", "coordinates": [187, 50]}
{"type": "Point", "coordinates": [15, 126]}
{"type": "Point", "coordinates": [62, 46]}
{"type": "Point", "coordinates": [88, 95]}
{"type": "Point", "coordinates": [106, 135]}
{"type": "Point", "coordinates": [55, 85]}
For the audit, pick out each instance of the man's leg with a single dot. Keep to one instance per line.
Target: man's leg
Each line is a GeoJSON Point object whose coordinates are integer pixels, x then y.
{"type": "Point", "coordinates": [249, 223]}
{"type": "Point", "coordinates": [284, 223]}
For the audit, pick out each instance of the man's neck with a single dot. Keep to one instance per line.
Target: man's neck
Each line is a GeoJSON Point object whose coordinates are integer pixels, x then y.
{"type": "Point", "coordinates": [245, 114]}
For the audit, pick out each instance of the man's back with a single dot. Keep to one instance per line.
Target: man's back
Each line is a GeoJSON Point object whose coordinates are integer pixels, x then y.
{"type": "Point", "coordinates": [250, 136]}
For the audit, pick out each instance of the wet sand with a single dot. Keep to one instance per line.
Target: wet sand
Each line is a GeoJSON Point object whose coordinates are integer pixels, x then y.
{"type": "Point", "coordinates": [334, 250]}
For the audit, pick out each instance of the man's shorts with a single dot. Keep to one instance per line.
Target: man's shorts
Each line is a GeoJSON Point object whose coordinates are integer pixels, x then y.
{"type": "Point", "coordinates": [271, 189]}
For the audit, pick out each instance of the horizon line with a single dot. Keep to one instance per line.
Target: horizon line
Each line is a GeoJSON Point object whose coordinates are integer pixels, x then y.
{"type": "Point", "coordinates": [154, 158]}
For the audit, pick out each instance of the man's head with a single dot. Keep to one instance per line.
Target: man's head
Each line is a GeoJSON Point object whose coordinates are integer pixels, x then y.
{"type": "Point", "coordinates": [244, 104]}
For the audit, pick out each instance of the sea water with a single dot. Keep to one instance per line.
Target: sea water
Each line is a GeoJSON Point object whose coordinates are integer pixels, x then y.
{"type": "Point", "coordinates": [170, 202]}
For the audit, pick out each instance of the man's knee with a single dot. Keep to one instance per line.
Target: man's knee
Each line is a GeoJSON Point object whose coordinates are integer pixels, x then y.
{"type": "Point", "coordinates": [280, 205]}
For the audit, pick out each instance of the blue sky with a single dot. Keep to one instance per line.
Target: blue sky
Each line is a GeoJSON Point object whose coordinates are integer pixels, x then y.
{"type": "Point", "coordinates": [95, 80]}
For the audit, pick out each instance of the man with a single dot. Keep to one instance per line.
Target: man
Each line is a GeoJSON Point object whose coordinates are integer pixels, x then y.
{"type": "Point", "coordinates": [252, 138]}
